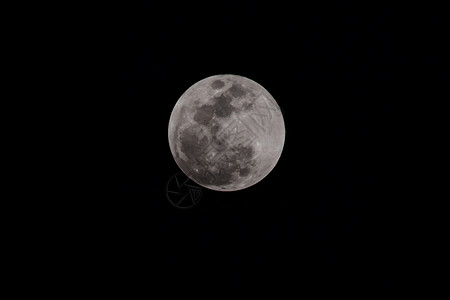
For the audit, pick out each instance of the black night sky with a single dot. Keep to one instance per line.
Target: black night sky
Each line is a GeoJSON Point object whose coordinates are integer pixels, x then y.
{"type": "Point", "coordinates": [333, 215]}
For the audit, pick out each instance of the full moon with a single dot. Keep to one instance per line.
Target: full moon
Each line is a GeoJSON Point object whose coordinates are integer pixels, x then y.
{"type": "Point", "coordinates": [226, 132]}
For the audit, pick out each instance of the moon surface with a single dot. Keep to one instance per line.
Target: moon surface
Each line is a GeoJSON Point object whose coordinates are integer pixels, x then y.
{"type": "Point", "coordinates": [226, 132]}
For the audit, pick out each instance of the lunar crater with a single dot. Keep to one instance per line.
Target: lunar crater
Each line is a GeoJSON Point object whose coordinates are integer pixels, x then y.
{"type": "Point", "coordinates": [237, 90]}
{"type": "Point", "coordinates": [217, 84]}
{"type": "Point", "coordinates": [222, 106]}
{"type": "Point", "coordinates": [204, 114]}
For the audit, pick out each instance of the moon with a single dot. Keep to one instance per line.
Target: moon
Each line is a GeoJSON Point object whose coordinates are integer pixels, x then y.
{"type": "Point", "coordinates": [226, 132]}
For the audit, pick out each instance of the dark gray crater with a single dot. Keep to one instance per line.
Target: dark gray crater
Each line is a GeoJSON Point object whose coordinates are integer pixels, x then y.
{"type": "Point", "coordinates": [217, 84]}
{"type": "Point", "coordinates": [222, 105]}
{"type": "Point", "coordinates": [204, 114]}
{"type": "Point", "coordinates": [237, 90]}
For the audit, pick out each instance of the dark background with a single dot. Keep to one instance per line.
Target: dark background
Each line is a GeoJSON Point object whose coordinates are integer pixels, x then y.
{"type": "Point", "coordinates": [335, 214]}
